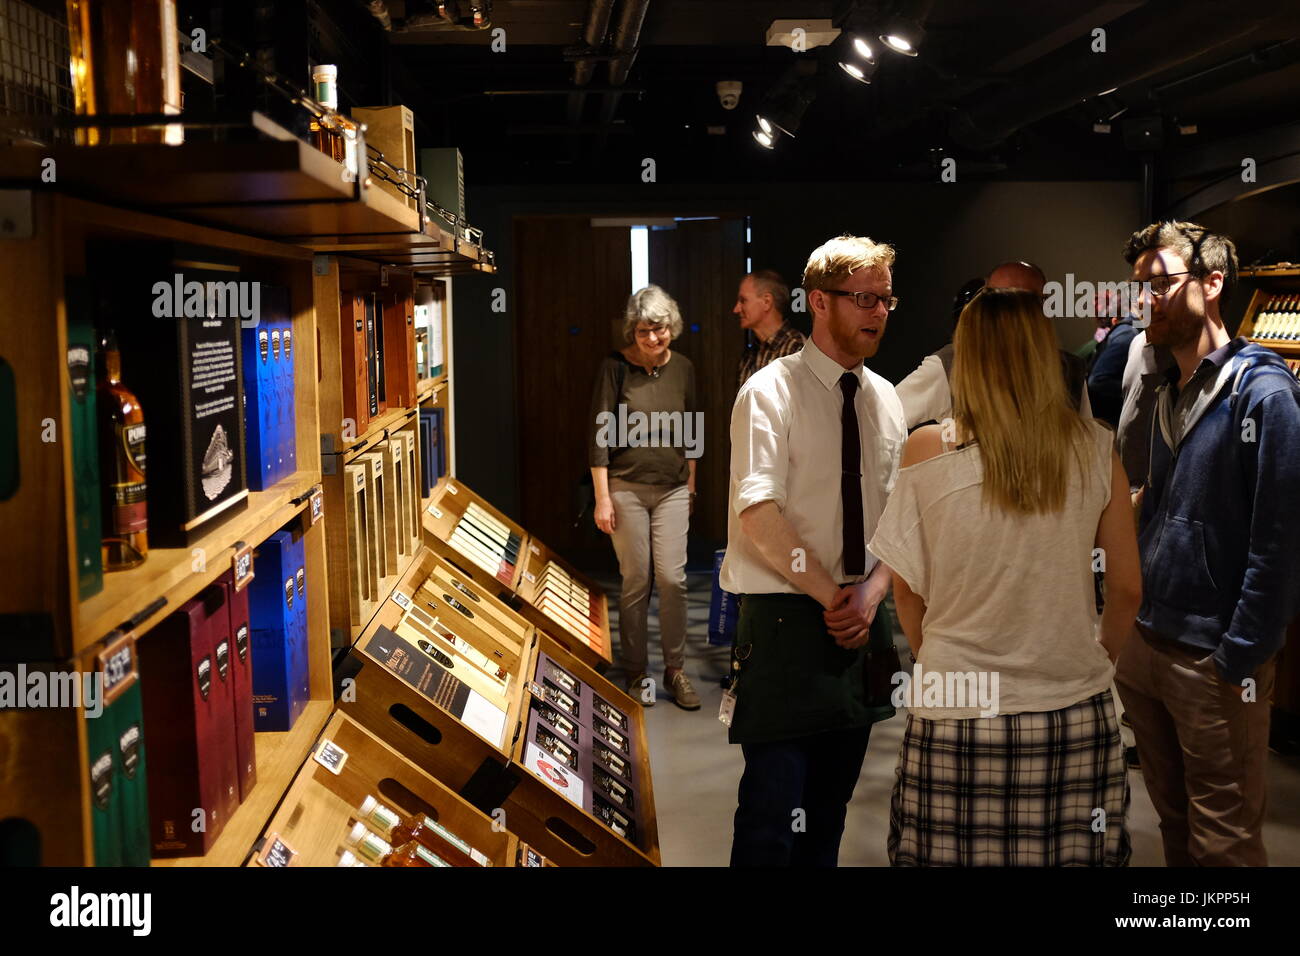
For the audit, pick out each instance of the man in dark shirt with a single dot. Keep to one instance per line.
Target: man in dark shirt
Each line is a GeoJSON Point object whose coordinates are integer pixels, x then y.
{"type": "Point", "coordinates": [761, 302]}
{"type": "Point", "coordinates": [1106, 377]}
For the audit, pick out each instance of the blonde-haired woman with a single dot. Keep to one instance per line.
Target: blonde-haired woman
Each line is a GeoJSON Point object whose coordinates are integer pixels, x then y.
{"type": "Point", "coordinates": [1012, 754]}
{"type": "Point", "coordinates": [645, 488]}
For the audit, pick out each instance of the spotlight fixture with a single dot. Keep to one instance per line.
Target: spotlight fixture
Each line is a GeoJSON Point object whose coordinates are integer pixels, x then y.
{"type": "Point", "coordinates": [903, 35]}
{"type": "Point", "coordinates": [856, 58]}
{"type": "Point", "coordinates": [785, 104]}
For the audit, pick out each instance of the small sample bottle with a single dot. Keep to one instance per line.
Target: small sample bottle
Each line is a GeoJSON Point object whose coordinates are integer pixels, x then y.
{"type": "Point", "coordinates": [428, 833]}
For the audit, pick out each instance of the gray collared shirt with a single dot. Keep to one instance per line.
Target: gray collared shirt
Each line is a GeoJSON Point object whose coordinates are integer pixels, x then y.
{"type": "Point", "coordinates": [1180, 409]}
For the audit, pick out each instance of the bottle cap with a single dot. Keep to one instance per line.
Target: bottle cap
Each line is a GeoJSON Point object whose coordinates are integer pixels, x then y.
{"type": "Point", "coordinates": [368, 804]}
{"type": "Point", "coordinates": [347, 859]}
{"type": "Point", "coordinates": [324, 71]}
{"type": "Point", "coordinates": [357, 835]}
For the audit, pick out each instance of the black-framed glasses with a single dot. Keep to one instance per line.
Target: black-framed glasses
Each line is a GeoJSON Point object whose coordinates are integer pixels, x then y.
{"type": "Point", "coordinates": [1160, 283]}
{"type": "Point", "coordinates": [866, 300]}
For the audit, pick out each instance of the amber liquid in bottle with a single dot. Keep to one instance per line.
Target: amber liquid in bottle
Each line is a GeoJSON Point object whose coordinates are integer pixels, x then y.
{"type": "Point", "coordinates": [325, 134]}
{"type": "Point", "coordinates": [125, 59]}
{"type": "Point", "coordinates": [420, 830]}
{"type": "Point", "coordinates": [122, 462]}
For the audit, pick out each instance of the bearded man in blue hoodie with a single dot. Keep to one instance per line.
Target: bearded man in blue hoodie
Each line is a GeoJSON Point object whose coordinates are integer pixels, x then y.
{"type": "Point", "coordinates": [1220, 545]}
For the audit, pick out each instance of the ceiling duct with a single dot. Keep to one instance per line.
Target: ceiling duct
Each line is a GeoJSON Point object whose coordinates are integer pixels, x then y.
{"type": "Point", "coordinates": [593, 38]}
{"type": "Point", "coordinates": [1147, 42]}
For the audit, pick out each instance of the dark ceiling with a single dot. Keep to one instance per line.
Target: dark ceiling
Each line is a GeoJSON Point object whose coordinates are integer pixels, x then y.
{"type": "Point", "coordinates": [1009, 88]}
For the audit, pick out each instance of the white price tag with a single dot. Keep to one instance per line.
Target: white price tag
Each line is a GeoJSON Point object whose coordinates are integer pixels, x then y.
{"type": "Point", "coordinates": [534, 548]}
{"type": "Point", "coordinates": [401, 600]}
{"type": "Point", "coordinates": [727, 708]}
{"type": "Point", "coordinates": [532, 578]}
{"type": "Point", "coordinates": [331, 756]}
{"type": "Point", "coordinates": [451, 489]}
{"type": "Point", "coordinates": [435, 512]}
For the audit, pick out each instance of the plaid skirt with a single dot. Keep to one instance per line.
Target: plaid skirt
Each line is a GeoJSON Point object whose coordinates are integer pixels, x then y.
{"type": "Point", "coordinates": [1033, 789]}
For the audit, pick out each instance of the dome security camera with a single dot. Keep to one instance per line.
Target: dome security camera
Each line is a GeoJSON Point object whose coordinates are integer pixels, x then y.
{"type": "Point", "coordinates": [729, 93]}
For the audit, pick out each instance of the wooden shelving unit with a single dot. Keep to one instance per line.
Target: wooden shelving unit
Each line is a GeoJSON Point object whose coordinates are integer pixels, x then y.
{"type": "Point", "coordinates": [290, 217]}
{"type": "Point", "coordinates": [278, 188]}
{"type": "Point", "coordinates": [49, 784]}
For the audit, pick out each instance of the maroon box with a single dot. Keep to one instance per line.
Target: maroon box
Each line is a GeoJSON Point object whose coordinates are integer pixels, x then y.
{"type": "Point", "coordinates": [241, 665]}
{"type": "Point", "coordinates": [189, 719]}
{"type": "Point", "coordinates": [221, 637]}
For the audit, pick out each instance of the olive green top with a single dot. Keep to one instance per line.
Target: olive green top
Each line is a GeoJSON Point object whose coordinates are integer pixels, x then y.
{"type": "Point", "coordinates": [626, 435]}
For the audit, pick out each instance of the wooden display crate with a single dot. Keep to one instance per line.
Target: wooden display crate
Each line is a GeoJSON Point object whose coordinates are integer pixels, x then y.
{"type": "Point", "coordinates": [1270, 288]}
{"type": "Point", "coordinates": [447, 530]}
{"type": "Point", "coordinates": [321, 806]}
{"type": "Point", "coordinates": [410, 440]}
{"type": "Point", "coordinates": [358, 567]}
{"type": "Point", "coordinates": [391, 130]}
{"type": "Point", "coordinates": [475, 735]}
{"type": "Point", "coordinates": [522, 584]}
{"type": "Point", "coordinates": [581, 626]}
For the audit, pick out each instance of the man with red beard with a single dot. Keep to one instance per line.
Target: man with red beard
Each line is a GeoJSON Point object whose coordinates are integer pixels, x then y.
{"type": "Point", "coordinates": [816, 441]}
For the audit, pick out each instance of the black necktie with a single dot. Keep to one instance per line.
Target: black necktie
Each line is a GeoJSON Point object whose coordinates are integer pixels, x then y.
{"type": "Point", "coordinates": [855, 544]}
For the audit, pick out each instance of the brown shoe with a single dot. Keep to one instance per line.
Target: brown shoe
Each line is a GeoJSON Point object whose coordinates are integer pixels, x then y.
{"type": "Point", "coordinates": [641, 689]}
{"type": "Point", "coordinates": [684, 695]}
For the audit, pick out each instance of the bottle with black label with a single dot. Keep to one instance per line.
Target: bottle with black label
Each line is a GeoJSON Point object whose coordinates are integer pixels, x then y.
{"type": "Point", "coordinates": [122, 463]}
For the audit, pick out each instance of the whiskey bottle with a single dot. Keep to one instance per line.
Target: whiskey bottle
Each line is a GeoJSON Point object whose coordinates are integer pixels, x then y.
{"type": "Point", "coordinates": [125, 59]}
{"type": "Point", "coordinates": [334, 134]}
{"type": "Point", "coordinates": [367, 846]}
{"type": "Point", "coordinates": [122, 460]}
{"type": "Point", "coordinates": [325, 133]}
{"type": "Point", "coordinates": [418, 828]}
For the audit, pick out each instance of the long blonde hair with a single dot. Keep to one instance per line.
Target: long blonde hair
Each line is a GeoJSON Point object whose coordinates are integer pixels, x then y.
{"type": "Point", "coordinates": [1009, 395]}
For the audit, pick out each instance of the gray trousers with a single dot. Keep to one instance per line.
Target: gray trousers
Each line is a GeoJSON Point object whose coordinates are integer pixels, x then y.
{"type": "Point", "coordinates": [650, 522]}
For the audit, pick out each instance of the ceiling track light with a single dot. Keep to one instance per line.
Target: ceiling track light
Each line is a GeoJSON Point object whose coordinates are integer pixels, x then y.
{"type": "Point", "coordinates": [903, 33]}
{"type": "Point", "coordinates": [903, 36]}
{"type": "Point", "coordinates": [785, 104]}
{"type": "Point", "coordinates": [856, 57]}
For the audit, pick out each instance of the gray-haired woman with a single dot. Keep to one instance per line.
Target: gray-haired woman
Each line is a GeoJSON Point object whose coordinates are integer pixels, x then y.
{"type": "Point", "coordinates": [645, 484]}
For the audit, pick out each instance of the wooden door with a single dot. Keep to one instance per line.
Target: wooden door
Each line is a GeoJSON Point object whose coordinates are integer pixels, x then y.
{"type": "Point", "coordinates": [700, 263]}
{"type": "Point", "coordinates": [572, 285]}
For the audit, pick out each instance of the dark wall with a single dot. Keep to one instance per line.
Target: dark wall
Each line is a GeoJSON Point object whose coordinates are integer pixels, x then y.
{"type": "Point", "coordinates": [944, 234]}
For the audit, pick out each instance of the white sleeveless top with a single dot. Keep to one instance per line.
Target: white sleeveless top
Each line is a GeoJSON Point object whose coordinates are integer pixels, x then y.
{"type": "Point", "coordinates": [1010, 600]}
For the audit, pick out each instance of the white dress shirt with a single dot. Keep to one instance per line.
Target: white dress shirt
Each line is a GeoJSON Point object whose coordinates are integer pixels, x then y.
{"type": "Point", "coordinates": [786, 431]}
{"type": "Point", "coordinates": [927, 395]}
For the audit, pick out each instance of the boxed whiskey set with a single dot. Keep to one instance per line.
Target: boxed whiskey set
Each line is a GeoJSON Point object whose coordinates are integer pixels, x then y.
{"type": "Point", "coordinates": [378, 352]}
{"type": "Point", "coordinates": [380, 531]}
{"type": "Point", "coordinates": [269, 386]}
{"type": "Point", "coordinates": [504, 558]}
{"type": "Point", "coordinates": [189, 717]}
{"type": "Point", "coordinates": [278, 605]}
{"type": "Point", "coordinates": [176, 310]}
{"type": "Point", "coordinates": [474, 694]}
{"type": "Point", "coordinates": [433, 444]}
{"type": "Point", "coordinates": [119, 808]}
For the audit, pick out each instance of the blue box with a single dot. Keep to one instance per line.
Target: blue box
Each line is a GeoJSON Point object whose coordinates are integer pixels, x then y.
{"type": "Point", "coordinates": [289, 407]}
{"type": "Point", "coordinates": [278, 625]}
{"type": "Point", "coordinates": [724, 609]}
{"type": "Point", "coordinates": [259, 407]}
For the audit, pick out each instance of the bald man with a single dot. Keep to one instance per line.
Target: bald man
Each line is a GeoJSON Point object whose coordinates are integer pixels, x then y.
{"type": "Point", "coordinates": [926, 394]}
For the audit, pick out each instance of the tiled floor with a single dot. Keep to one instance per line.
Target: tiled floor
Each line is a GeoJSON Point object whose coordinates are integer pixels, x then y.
{"type": "Point", "coordinates": [696, 771]}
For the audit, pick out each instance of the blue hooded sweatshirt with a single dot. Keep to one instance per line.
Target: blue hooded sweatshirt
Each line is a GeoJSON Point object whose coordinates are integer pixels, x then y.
{"type": "Point", "coordinates": [1219, 530]}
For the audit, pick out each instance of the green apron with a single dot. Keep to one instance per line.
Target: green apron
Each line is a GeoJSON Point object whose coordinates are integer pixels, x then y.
{"type": "Point", "coordinates": [794, 680]}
